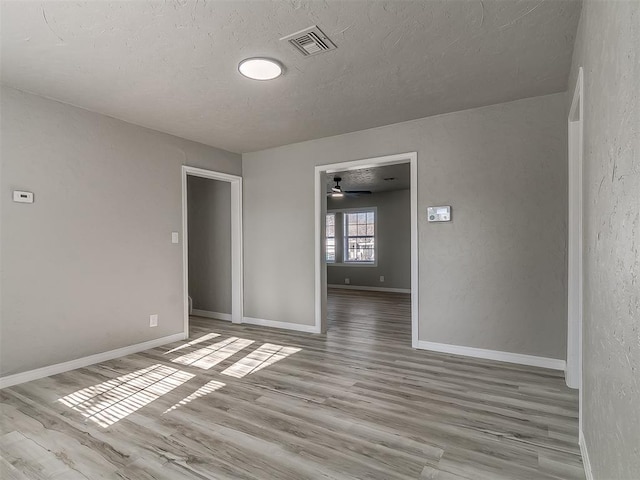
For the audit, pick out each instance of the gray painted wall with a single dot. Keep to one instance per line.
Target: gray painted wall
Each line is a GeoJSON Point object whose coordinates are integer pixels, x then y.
{"type": "Point", "coordinates": [608, 48]}
{"type": "Point", "coordinates": [393, 241]}
{"type": "Point", "coordinates": [495, 277]}
{"type": "Point", "coordinates": [86, 264]}
{"type": "Point", "coordinates": [209, 204]}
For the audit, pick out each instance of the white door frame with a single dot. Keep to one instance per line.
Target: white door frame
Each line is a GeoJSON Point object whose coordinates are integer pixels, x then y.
{"type": "Point", "coordinates": [236, 241]}
{"type": "Point", "coordinates": [575, 239]}
{"type": "Point", "coordinates": [320, 211]}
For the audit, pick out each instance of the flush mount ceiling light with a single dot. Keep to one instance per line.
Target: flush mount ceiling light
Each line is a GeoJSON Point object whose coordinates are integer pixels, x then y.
{"type": "Point", "coordinates": [260, 68]}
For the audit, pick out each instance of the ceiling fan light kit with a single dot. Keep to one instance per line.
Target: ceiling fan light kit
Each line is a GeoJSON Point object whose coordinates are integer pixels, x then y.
{"type": "Point", "coordinates": [337, 192]}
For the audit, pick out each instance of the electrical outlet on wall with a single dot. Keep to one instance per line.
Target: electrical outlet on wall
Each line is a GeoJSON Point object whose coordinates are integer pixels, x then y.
{"type": "Point", "coordinates": [381, 278]}
{"type": "Point", "coordinates": [153, 320]}
{"type": "Point", "coordinates": [347, 281]}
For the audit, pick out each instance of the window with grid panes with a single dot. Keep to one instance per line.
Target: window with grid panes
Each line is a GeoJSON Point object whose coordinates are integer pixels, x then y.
{"type": "Point", "coordinates": [359, 237]}
{"type": "Point", "coordinates": [331, 237]}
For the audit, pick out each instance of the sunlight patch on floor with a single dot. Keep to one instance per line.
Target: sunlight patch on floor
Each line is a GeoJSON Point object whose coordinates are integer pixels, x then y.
{"type": "Point", "coordinates": [201, 339]}
{"type": "Point", "coordinates": [212, 355]}
{"type": "Point", "coordinates": [262, 357]}
{"type": "Point", "coordinates": [113, 400]}
{"type": "Point", "coordinates": [207, 388]}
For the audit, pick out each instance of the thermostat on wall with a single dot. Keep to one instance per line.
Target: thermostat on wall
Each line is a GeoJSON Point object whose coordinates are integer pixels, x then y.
{"type": "Point", "coordinates": [439, 214]}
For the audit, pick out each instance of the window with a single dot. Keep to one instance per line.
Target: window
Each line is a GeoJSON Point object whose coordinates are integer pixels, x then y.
{"type": "Point", "coordinates": [351, 237]}
{"type": "Point", "coordinates": [331, 238]}
{"type": "Point", "coordinates": [359, 239]}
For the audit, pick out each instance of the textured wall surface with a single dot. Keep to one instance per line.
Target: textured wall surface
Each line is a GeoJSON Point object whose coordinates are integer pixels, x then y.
{"type": "Point", "coordinates": [494, 277]}
{"type": "Point", "coordinates": [86, 264]}
{"type": "Point", "coordinates": [209, 204]}
{"type": "Point", "coordinates": [608, 48]}
{"type": "Point", "coordinates": [393, 241]}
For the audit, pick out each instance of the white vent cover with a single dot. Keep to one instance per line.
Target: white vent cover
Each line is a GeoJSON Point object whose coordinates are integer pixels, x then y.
{"type": "Point", "coordinates": [310, 41]}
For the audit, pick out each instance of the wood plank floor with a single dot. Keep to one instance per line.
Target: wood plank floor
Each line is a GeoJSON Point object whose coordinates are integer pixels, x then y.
{"type": "Point", "coordinates": [245, 402]}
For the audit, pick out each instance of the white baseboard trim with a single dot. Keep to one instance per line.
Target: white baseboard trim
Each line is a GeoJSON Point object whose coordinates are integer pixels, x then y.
{"type": "Point", "coordinates": [17, 378]}
{"type": "Point", "coordinates": [371, 289]}
{"type": "Point", "coordinates": [585, 456]}
{"type": "Point", "coordinates": [519, 358]}
{"type": "Point", "coordinates": [285, 325]}
{"type": "Point", "coordinates": [208, 314]}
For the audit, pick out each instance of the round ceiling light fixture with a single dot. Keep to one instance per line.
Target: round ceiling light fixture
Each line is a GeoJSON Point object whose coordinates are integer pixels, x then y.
{"type": "Point", "coordinates": [259, 68]}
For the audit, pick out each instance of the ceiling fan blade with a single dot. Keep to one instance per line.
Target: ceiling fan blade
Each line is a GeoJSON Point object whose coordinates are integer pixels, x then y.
{"type": "Point", "coordinates": [358, 192]}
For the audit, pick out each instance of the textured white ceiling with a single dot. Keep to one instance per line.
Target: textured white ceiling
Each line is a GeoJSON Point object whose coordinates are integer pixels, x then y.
{"type": "Point", "coordinates": [172, 65]}
{"type": "Point", "coordinates": [373, 179]}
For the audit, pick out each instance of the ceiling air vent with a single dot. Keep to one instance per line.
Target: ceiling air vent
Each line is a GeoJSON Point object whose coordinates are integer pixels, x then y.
{"type": "Point", "coordinates": [310, 41]}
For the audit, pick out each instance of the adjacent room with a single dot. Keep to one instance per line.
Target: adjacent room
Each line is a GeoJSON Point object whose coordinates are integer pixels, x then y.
{"type": "Point", "coordinates": [368, 251]}
{"type": "Point", "coordinates": [209, 247]}
{"type": "Point", "coordinates": [346, 239]}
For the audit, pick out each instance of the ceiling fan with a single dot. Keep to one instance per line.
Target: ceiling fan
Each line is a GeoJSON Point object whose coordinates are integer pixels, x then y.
{"type": "Point", "coordinates": [337, 191]}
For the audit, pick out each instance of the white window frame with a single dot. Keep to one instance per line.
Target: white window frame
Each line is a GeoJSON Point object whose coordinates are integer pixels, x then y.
{"type": "Point", "coordinates": [341, 262]}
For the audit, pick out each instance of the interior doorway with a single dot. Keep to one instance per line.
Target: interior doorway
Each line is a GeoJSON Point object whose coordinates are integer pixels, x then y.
{"type": "Point", "coordinates": [209, 196]}
{"type": "Point", "coordinates": [575, 248]}
{"type": "Point", "coordinates": [354, 251]}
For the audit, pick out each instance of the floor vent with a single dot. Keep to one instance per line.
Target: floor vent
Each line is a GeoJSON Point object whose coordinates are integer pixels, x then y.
{"type": "Point", "coordinates": [310, 41]}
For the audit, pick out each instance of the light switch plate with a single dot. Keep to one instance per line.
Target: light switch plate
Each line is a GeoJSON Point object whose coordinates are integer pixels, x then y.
{"type": "Point", "coordinates": [22, 197]}
{"type": "Point", "coordinates": [439, 214]}
{"type": "Point", "coordinates": [175, 238]}
{"type": "Point", "coordinates": [153, 320]}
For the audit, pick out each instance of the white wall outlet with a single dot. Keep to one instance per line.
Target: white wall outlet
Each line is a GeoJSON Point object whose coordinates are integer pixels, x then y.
{"type": "Point", "coordinates": [381, 278]}
{"type": "Point", "coordinates": [153, 320]}
{"type": "Point", "coordinates": [347, 281]}
{"type": "Point", "coordinates": [175, 238]}
{"type": "Point", "coordinates": [22, 197]}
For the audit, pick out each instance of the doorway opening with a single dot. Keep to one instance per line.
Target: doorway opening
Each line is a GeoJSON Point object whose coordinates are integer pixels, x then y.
{"type": "Point", "coordinates": [211, 245]}
{"type": "Point", "coordinates": [574, 304]}
{"type": "Point", "coordinates": [366, 239]}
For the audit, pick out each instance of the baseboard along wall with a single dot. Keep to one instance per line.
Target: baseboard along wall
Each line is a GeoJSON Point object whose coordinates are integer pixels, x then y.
{"type": "Point", "coordinates": [207, 314]}
{"type": "Point", "coordinates": [256, 321]}
{"type": "Point", "coordinates": [284, 325]}
{"type": "Point", "coordinates": [371, 289]}
{"type": "Point", "coordinates": [531, 360]}
{"type": "Point", "coordinates": [17, 378]}
{"type": "Point", "coordinates": [585, 456]}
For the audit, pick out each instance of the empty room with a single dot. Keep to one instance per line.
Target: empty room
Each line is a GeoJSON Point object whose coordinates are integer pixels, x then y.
{"type": "Point", "coordinates": [368, 252]}
{"type": "Point", "coordinates": [344, 239]}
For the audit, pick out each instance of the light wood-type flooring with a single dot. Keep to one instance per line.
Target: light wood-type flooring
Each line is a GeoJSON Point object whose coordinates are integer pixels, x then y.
{"type": "Point", "coordinates": [245, 402]}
